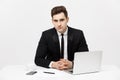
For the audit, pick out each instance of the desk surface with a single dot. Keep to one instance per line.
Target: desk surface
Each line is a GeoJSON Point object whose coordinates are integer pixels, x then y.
{"type": "Point", "coordinates": [18, 72]}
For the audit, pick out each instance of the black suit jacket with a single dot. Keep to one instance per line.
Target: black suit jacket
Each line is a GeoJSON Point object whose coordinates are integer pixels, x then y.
{"type": "Point", "coordinates": [49, 49]}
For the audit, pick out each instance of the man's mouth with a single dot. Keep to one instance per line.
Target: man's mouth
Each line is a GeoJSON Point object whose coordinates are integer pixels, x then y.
{"type": "Point", "coordinates": [60, 27]}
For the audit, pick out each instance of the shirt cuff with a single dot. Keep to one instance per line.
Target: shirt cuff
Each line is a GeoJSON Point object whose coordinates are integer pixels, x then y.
{"type": "Point", "coordinates": [50, 65]}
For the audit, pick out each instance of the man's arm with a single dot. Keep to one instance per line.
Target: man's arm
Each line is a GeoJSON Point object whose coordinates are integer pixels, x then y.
{"type": "Point", "coordinates": [41, 53]}
{"type": "Point", "coordinates": [83, 45]}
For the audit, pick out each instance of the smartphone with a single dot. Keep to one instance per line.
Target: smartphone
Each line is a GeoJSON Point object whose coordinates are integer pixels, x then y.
{"type": "Point", "coordinates": [31, 73]}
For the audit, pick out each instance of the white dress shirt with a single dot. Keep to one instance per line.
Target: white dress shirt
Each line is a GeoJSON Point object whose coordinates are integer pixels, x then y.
{"type": "Point", "coordinates": [65, 42]}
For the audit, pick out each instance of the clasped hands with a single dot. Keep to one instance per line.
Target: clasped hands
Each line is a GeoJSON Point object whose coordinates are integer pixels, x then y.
{"type": "Point", "coordinates": [62, 64]}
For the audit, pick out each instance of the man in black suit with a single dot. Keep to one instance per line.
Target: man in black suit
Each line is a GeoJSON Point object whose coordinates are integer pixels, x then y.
{"type": "Point", "coordinates": [57, 46]}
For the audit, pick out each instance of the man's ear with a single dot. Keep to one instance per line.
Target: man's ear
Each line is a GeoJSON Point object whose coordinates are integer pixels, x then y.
{"type": "Point", "coordinates": [52, 20]}
{"type": "Point", "coordinates": [67, 19]}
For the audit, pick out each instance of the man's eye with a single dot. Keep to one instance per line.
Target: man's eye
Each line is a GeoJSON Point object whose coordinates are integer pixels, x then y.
{"type": "Point", "coordinates": [61, 19]}
{"type": "Point", "coordinates": [55, 20]}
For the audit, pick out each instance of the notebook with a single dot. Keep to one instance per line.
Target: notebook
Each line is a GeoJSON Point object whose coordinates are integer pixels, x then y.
{"type": "Point", "coordinates": [86, 62]}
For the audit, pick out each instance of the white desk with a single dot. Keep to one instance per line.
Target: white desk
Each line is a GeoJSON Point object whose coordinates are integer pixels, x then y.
{"type": "Point", "coordinates": [18, 72]}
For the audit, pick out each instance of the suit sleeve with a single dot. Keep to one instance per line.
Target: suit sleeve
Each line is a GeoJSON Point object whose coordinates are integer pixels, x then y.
{"type": "Point", "coordinates": [83, 45]}
{"type": "Point", "coordinates": [41, 52]}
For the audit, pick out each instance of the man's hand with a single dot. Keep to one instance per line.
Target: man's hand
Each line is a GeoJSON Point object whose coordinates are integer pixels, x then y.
{"type": "Point", "coordinates": [62, 64]}
{"type": "Point", "coordinates": [67, 63]}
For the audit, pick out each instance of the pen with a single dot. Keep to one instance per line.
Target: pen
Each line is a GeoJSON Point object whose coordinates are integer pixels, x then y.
{"type": "Point", "coordinates": [48, 72]}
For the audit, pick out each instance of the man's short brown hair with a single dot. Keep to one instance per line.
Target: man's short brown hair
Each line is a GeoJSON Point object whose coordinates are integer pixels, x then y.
{"type": "Point", "coordinates": [59, 9]}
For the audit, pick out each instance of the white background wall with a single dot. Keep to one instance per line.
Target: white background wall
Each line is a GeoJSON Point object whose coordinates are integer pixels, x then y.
{"type": "Point", "coordinates": [22, 22]}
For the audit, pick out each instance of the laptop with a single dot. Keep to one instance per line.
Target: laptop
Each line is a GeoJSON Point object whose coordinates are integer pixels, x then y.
{"type": "Point", "coordinates": [86, 62]}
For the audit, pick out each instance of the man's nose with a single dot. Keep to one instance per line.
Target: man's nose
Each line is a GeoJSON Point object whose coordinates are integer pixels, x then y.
{"type": "Point", "coordinates": [59, 23]}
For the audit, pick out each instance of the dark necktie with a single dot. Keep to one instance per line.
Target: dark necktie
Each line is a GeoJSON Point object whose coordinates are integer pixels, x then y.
{"type": "Point", "coordinates": [62, 46]}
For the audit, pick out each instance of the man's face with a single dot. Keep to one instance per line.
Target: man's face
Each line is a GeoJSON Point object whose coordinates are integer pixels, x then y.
{"type": "Point", "coordinates": [60, 22]}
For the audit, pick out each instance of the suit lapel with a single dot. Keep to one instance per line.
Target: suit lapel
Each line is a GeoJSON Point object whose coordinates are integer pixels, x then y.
{"type": "Point", "coordinates": [70, 39]}
{"type": "Point", "coordinates": [55, 38]}
{"type": "Point", "coordinates": [56, 41]}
